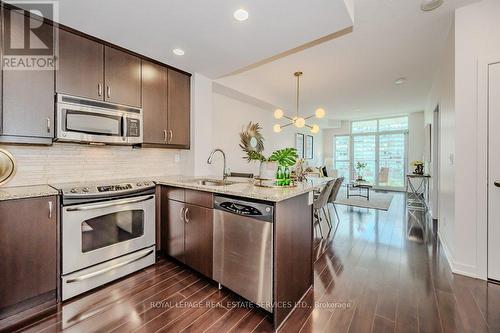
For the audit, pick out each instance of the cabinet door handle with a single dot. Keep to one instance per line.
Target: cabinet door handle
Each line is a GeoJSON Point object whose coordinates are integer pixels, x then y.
{"type": "Point", "coordinates": [165, 135]}
{"type": "Point", "coordinates": [50, 209]}
{"type": "Point", "coordinates": [497, 183]}
{"type": "Point", "coordinates": [181, 213]}
{"type": "Point", "coordinates": [108, 91]}
{"type": "Point", "coordinates": [171, 135]}
{"type": "Point", "coordinates": [48, 125]}
{"type": "Point", "coordinates": [186, 216]}
{"type": "Point", "coordinates": [99, 89]}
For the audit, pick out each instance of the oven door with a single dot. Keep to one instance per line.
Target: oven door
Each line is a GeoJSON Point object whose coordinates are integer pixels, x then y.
{"type": "Point", "coordinates": [97, 232]}
{"type": "Point", "coordinates": [80, 123]}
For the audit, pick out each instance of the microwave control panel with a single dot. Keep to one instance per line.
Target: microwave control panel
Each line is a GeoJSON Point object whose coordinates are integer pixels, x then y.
{"type": "Point", "coordinates": [133, 127]}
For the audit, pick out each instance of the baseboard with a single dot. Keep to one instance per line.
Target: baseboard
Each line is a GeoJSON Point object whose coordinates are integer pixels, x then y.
{"type": "Point", "coordinates": [456, 267]}
{"type": "Point", "coordinates": [447, 251]}
{"type": "Point", "coordinates": [465, 270]}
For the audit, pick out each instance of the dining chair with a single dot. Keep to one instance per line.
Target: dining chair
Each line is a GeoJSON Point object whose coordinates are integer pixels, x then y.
{"type": "Point", "coordinates": [320, 203]}
{"type": "Point", "coordinates": [331, 200]}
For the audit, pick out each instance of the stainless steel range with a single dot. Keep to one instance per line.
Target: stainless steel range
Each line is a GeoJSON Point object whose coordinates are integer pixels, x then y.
{"type": "Point", "coordinates": [108, 231]}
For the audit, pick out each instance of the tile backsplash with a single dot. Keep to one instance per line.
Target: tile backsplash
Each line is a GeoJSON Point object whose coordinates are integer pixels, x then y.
{"type": "Point", "coordinates": [63, 162]}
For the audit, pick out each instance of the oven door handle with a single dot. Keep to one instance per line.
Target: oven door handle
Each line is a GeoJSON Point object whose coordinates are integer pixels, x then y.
{"type": "Point", "coordinates": [107, 269]}
{"type": "Point", "coordinates": [111, 204]}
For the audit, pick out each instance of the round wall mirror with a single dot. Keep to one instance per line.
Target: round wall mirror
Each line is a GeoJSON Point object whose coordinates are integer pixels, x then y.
{"type": "Point", "coordinates": [7, 166]}
{"type": "Point", "coordinates": [253, 142]}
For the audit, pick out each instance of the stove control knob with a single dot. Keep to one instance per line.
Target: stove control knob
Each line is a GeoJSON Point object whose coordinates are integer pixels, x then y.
{"type": "Point", "coordinates": [85, 189]}
{"type": "Point", "coordinates": [146, 184]}
{"type": "Point", "coordinates": [73, 190]}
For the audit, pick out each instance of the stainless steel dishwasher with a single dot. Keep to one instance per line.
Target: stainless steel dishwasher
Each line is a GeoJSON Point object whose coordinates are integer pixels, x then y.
{"type": "Point", "coordinates": [243, 248]}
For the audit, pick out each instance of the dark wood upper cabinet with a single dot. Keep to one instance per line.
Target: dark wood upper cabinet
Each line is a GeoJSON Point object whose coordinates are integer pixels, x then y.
{"type": "Point", "coordinates": [28, 95]}
{"type": "Point", "coordinates": [154, 103]}
{"type": "Point", "coordinates": [199, 239]}
{"type": "Point", "coordinates": [80, 66]}
{"type": "Point", "coordinates": [28, 248]}
{"type": "Point", "coordinates": [179, 108]}
{"type": "Point", "coordinates": [122, 76]}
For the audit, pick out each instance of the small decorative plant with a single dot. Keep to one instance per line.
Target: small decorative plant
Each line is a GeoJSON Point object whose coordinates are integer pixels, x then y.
{"type": "Point", "coordinates": [286, 157]}
{"type": "Point", "coordinates": [275, 166]}
{"type": "Point", "coordinates": [419, 167]}
{"type": "Point", "coordinates": [360, 166]}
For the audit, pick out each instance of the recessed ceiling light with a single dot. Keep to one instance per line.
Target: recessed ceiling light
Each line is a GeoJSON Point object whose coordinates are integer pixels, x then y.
{"type": "Point", "coordinates": [401, 80]}
{"type": "Point", "coordinates": [428, 5]}
{"type": "Point", "coordinates": [178, 52]}
{"type": "Point", "coordinates": [240, 15]}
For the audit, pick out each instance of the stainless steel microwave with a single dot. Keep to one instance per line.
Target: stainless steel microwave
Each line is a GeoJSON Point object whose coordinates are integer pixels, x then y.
{"type": "Point", "coordinates": [89, 121]}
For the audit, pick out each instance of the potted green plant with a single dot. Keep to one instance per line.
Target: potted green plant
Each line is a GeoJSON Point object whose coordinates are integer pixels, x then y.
{"type": "Point", "coordinates": [360, 166]}
{"type": "Point", "coordinates": [285, 158]}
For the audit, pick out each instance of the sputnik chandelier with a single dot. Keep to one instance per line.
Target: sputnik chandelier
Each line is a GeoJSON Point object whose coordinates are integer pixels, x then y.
{"type": "Point", "coordinates": [298, 121]}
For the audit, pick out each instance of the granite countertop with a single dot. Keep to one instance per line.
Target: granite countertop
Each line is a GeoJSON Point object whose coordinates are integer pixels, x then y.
{"type": "Point", "coordinates": [239, 187]}
{"type": "Point", "coordinates": [245, 188]}
{"type": "Point", "coordinates": [23, 192]}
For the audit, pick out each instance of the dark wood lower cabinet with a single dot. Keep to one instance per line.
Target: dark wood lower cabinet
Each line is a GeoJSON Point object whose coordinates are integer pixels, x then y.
{"type": "Point", "coordinates": [173, 229]}
{"type": "Point", "coordinates": [187, 228]}
{"type": "Point", "coordinates": [199, 239]}
{"type": "Point", "coordinates": [28, 252]}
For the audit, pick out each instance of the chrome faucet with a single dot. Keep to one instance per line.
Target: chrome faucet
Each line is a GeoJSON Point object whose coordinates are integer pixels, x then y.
{"type": "Point", "coordinates": [209, 161]}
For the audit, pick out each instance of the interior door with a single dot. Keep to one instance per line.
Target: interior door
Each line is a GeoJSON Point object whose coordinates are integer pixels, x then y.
{"type": "Point", "coordinates": [494, 173]}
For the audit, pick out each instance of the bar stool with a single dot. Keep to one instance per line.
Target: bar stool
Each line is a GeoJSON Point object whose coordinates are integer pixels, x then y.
{"type": "Point", "coordinates": [320, 203]}
{"type": "Point", "coordinates": [331, 200]}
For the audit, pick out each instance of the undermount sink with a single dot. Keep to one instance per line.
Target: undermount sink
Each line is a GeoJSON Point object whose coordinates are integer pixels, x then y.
{"type": "Point", "coordinates": [212, 182]}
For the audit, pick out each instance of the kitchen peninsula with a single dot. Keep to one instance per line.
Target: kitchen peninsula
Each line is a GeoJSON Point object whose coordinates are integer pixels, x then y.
{"type": "Point", "coordinates": [189, 213]}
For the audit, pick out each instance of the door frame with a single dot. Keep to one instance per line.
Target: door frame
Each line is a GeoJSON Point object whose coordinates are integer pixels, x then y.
{"type": "Point", "coordinates": [482, 164]}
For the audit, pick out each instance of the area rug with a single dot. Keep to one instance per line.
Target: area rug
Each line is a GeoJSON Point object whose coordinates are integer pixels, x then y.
{"type": "Point", "coordinates": [378, 200]}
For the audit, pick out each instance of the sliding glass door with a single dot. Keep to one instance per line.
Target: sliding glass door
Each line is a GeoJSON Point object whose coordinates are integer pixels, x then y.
{"type": "Point", "coordinates": [364, 151]}
{"type": "Point", "coordinates": [391, 160]}
{"type": "Point", "coordinates": [381, 145]}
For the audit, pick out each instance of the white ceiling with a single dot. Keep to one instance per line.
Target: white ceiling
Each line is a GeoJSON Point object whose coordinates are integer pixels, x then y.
{"type": "Point", "coordinates": [353, 76]}
{"type": "Point", "coordinates": [215, 44]}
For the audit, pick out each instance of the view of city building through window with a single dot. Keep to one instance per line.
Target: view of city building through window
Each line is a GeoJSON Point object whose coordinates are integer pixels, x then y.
{"type": "Point", "coordinates": [381, 145]}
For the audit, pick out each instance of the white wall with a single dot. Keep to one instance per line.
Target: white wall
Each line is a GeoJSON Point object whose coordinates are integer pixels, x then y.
{"type": "Point", "coordinates": [202, 127]}
{"type": "Point", "coordinates": [328, 145]}
{"type": "Point", "coordinates": [416, 138]}
{"type": "Point", "coordinates": [443, 93]}
{"type": "Point", "coordinates": [477, 35]}
{"type": "Point", "coordinates": [230, 116]}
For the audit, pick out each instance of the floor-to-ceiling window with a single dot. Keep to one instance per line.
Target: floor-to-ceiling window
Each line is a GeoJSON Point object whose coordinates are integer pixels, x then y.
{"type": "Point", "coordinates": [378, 143]}
{"type": "Point", "coordinates": [342, 156]}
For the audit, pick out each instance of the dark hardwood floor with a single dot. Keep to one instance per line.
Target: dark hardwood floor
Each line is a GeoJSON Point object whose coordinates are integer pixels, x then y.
{"type": "Point", "coordinates": [370, 278]}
